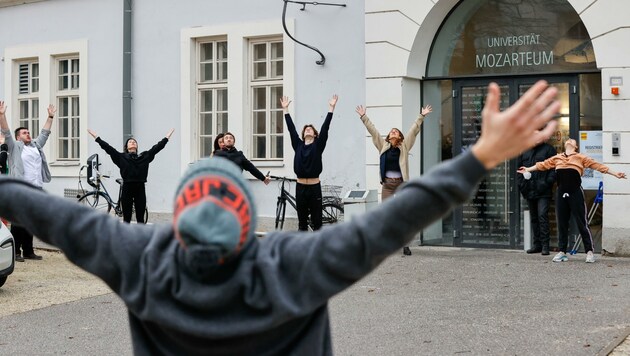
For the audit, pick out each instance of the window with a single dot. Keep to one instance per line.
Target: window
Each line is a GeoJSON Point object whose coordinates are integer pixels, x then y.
{"type": "Point", "coordinates": [68, 111]}
{"type": "Point", "coordinates": [266, 89]}
{"type": "Point", "coordinates": [212, 98]}
{"type": "Point", "coordinates": [28, 96]}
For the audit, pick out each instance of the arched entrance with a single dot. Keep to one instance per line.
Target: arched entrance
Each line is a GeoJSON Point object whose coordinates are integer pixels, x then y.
{"type": "Point", "coordinates": [513, 43]}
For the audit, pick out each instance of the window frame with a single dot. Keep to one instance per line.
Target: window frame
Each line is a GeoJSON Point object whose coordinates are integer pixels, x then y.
{"type": "Point", "coordinates": [72, 94]}
{"type": "Point", "coordinates": [268, 82]}
{"type": "Point", "coordinates": [205, 142]}
{"type": "Point", "coordinates": [31, 97]}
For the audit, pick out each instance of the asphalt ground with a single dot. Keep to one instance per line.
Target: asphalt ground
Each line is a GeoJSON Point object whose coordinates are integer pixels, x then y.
{"type": "Point", "coordinates": [439, 301]}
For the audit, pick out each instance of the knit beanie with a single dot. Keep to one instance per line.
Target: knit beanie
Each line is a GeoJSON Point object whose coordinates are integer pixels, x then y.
{"type": "Point", "coordinates": [214, 209]}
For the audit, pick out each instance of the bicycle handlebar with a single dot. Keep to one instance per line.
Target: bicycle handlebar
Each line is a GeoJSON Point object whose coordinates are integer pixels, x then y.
{"type": "Point", "coordinates": [282, 178]}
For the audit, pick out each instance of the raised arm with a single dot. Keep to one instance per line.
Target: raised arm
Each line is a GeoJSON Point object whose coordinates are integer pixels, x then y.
{"type": "Point", "coordinates": [45, 132]}
{"type": "Point", "coordinates": [4, 125]}
{"type": "Point", "coordinates": [51, 115]}
{"type": "Point", "coordinates": [111, 151]}
{"type": "Point", "coordinates": [90, 239]}
{"type": "Point", "coordinates": [414, 130]}
{"type": "Point", "coordinates": [312, 268]}
{"type": "Point", "coordinates": [377, 140]}
{"type": "Point", "coordinates": [323, 132]}
{"type": "Point", "coordinates": [295, 138]}
{"type": "Point", "coordinates": [159, 146]}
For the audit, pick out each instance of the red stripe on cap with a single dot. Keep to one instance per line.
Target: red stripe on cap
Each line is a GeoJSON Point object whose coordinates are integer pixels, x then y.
{"type": "Point", "coordinates": [218, 190]}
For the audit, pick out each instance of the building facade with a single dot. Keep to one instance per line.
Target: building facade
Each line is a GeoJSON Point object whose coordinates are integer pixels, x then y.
{"type": "Point", "coordinates": [141, 67]}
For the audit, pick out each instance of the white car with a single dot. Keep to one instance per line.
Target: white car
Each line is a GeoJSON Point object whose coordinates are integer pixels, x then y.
{"type": "Point", "coordinates": [7, 253]}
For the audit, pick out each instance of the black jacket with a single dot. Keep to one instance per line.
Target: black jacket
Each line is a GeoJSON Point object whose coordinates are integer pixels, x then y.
{"type": "Point", "coordinates": [239, 159]}
{"type": "Point", "coordinates": [307, 162]}
{"type": "Point", "coordinates": [134, 168]}
{"type": "Point", "coordinates": [541, 182]}
{"type": "Point", "coordinates": [4, 159]}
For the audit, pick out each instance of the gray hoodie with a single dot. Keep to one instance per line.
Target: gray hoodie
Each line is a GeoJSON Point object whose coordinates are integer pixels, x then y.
{"type": "Point", "coordinates": [271, 300]}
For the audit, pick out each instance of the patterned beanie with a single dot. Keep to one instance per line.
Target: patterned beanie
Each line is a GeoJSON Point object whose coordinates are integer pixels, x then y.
{"type": "Point", "coordinates": [214, 209]}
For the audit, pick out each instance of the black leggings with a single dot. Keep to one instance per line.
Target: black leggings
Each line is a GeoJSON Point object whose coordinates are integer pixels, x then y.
{"type": "Point", "coordinates": [572, 204]}
{"type": "Point", "coordinates": [133, 194]}
{"type": "Point", "coordinates": [309, 200]}
{"type": "Point", "coordinates": [23, 240]}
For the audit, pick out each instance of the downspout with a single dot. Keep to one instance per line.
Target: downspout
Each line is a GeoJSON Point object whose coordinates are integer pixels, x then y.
{"type": "Point", "coordinates": [127, 70]}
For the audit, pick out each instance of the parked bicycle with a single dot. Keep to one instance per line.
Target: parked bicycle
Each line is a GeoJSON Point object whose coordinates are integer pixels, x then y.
{"type": "Point", "coordinates": [99, 198]}
{"type": "Point", "coordinates": [332, 209]}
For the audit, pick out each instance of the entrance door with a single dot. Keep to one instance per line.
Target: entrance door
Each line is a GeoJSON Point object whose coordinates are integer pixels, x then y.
{"type": "Point", "coordinates": [493, 217]}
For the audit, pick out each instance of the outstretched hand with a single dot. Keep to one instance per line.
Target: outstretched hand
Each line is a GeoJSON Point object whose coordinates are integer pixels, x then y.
{"type": "Point", "coordinates": [51, 111]}
{"type": "Point", "coordinates": [333, 102]}
{"type": "Point", "coordinates": [285, 102]}
{"type": "Point", "coordinates": [168, 135]}
{"type": "Point", "coordinates": [620, 175]}
{"type": "Point", "coordinates": [92, 133]}
{"type": "Point", "coordinates": [426, 110]}
{"type": "Point", "coordinates": [360, 110]}
{"type": "Point", "coordinates": [506, 134]}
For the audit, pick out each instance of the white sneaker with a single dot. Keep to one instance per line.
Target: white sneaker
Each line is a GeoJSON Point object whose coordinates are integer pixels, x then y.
{"type": "Point", "coordinates": [560, 257]}
{"type": "Point", "coordinates": [590, 258]}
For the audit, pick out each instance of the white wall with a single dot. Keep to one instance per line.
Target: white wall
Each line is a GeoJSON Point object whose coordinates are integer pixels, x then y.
{"type": "Point", "coordinates": [156, 77]}
{"type": "Point", "coordinates": [337, 32]}
{"type": "Point", "coordinates": [31, 27]}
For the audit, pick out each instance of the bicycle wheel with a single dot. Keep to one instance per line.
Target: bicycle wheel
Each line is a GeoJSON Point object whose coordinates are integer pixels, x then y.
{"type": "Point", "coordinates": [331, 213]}
{"type": "Point", "coordinates": [96, 200]}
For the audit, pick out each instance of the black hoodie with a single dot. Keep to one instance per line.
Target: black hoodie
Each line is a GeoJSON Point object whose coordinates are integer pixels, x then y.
{"type": "Point", "coordinates": [134, 168]}
{"type": "Point", "coordinates": [271, 300]}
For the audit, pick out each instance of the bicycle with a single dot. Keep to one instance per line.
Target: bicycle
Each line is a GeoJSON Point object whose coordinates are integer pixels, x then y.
{"type": "Point", "coordinates": [332, 209]}
{"type": "Point", "coordinates": [99, 198]}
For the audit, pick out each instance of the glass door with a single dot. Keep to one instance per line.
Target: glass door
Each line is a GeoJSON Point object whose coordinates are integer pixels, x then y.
{"type": "Point", "coordinates": [493, 218]}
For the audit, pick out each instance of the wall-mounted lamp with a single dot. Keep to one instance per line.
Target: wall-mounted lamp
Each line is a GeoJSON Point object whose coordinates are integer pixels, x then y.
{"type": "Point", "coordinates": [322, 59]}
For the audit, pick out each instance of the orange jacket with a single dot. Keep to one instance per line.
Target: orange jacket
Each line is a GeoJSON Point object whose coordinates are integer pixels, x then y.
{"type": "Point", "coordinates": [575, 161]}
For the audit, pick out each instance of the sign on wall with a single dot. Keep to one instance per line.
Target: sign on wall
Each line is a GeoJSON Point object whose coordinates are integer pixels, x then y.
{"type": "Point", "coordinates": [591, 145]}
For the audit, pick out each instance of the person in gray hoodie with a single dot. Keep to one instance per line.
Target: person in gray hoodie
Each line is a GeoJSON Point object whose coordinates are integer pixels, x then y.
{"type": "Point", "coordinates": [26, 161]}
{"type": "Point", "coordinates": [205, 285]}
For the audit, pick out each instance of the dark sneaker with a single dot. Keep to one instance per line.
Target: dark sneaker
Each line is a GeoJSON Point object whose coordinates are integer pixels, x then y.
{"type": "Point", "coordinates": [535, 249]}
{"type": "Point", "coordinates": [19, 258]}
{"type": "Point", "coordinates": [406, 251]}
{"type": "Point", "coordinates": [33, 257]}
{"type": "Point", "coordinates": [545, 251]}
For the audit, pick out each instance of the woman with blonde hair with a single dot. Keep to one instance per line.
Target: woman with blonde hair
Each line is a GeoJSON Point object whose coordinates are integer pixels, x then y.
{"type": "Point", "coordinates": [569, 166]}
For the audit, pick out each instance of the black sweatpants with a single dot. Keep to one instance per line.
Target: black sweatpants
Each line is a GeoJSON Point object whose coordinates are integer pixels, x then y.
{"type": "Point", "coordinates": [539, 218]}
{"type": "Point", "coordinates": [572, 204]}
{"type": "Point", "coordinates": [309, 201]}
{"type": "Point", "coordinates": [133, 194]}
{"type": "Point", "coordinates": [23, 240]}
